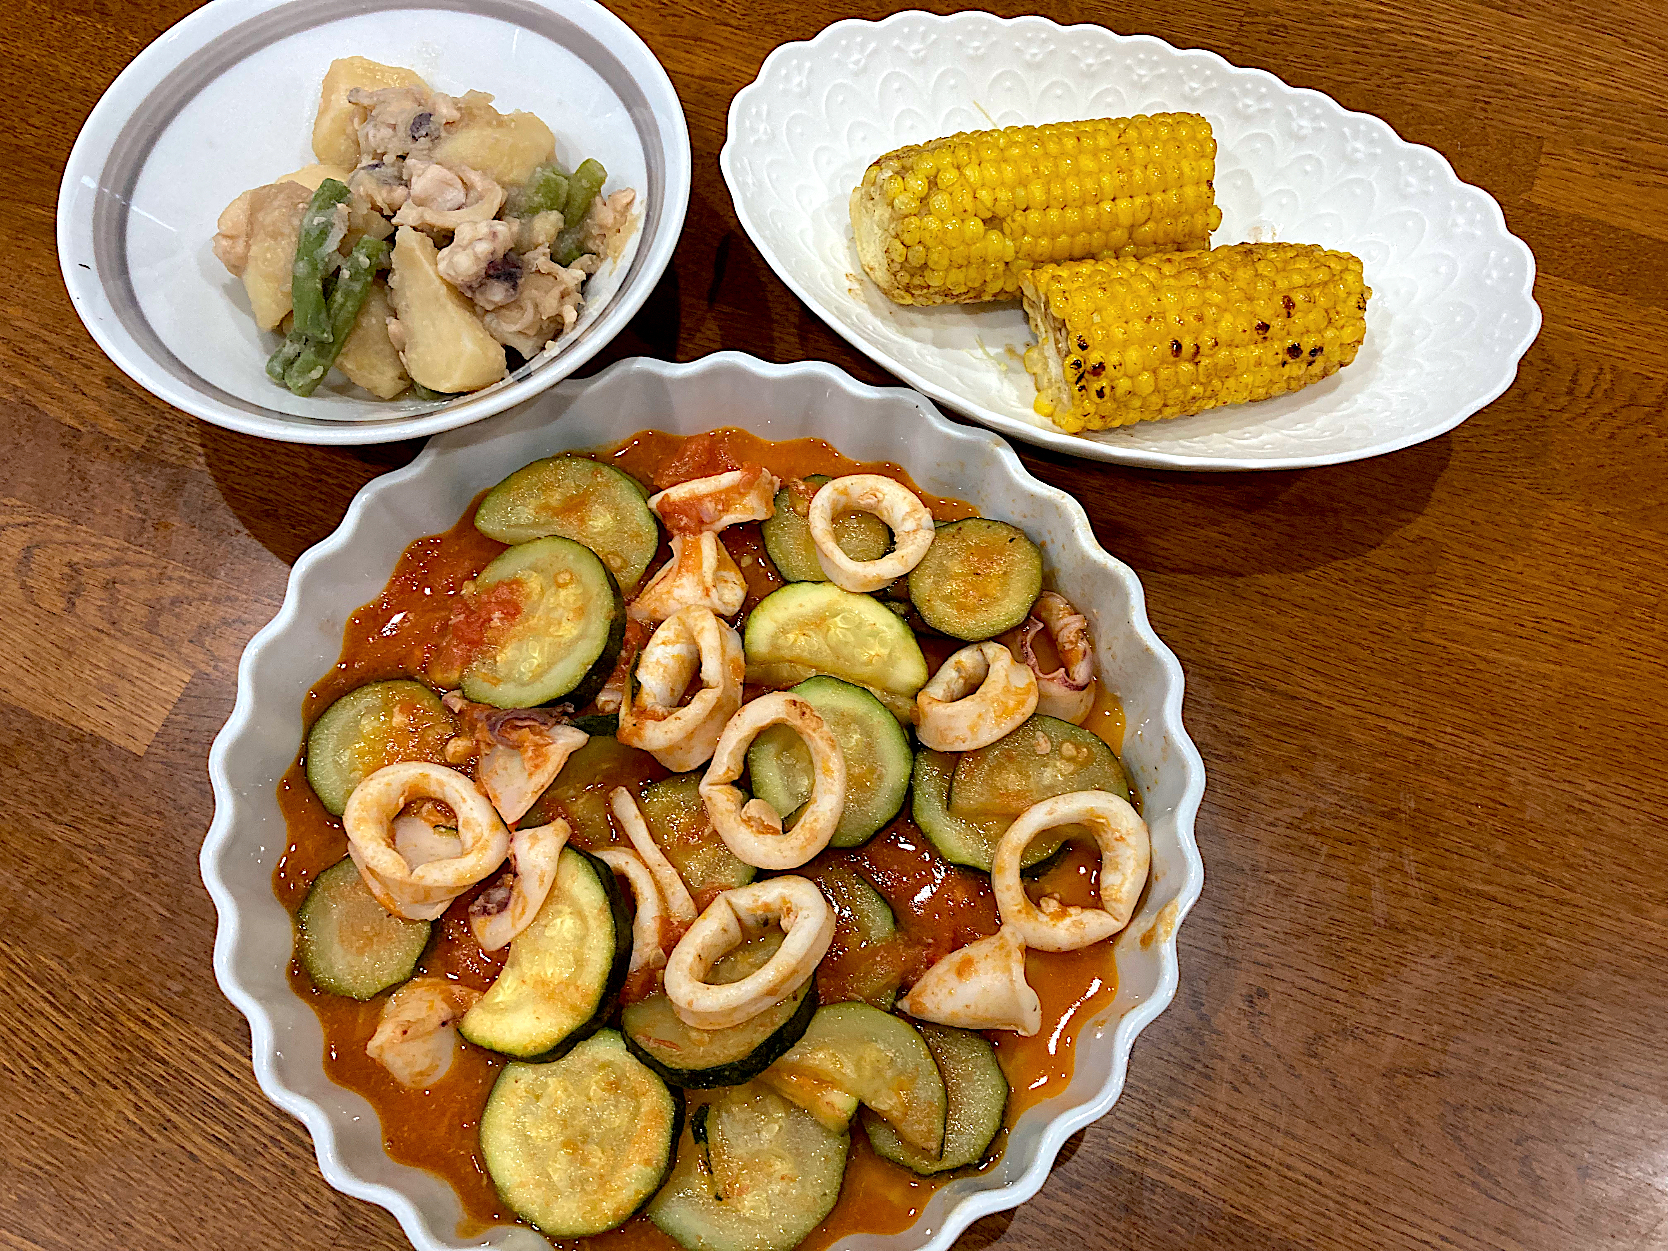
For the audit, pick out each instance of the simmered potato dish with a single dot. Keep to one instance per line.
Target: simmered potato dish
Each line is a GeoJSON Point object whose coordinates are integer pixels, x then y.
{"type": "Point", "coordinates": [437, 243]}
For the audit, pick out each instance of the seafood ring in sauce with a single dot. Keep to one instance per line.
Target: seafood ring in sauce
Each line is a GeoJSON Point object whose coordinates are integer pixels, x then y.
{"type": "Point", "coordinates": [978, 695]}
{"type": "Point", "coordinates": [692, 640]}
{"type": "Point", "coordinates": [895, 504]}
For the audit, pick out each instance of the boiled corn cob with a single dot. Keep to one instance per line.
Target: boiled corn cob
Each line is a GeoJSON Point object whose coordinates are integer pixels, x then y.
{"type": "Point", "coordinates": [960, 219]}
{"type": "Point", "coordinates": [1121, 341]}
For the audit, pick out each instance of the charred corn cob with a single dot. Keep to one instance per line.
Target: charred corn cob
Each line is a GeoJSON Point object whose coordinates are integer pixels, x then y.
{"type": "Point", "coordinates": [960, 219]}
{"type": "Point", "coordinates": [1122, 341]}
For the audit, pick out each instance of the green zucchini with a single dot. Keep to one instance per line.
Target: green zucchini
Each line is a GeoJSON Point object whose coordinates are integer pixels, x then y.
{"type": "Point", "coordinates": [880, 1059]}
{"type": "Point", "coordinates": [876, 751]}
{"type": "Point", "coordinates": [863, 920]}
{"type": "Point", "coordinates": [565, 636]}
{"type": "Point", "coordinates": [787, 536]}
{"type": "Point", "coordinates": [579, 499]}
{"type": "Point", "coordinates": [976, 1093]}
{"type": "Point", "coordinates": [577, 1146]}
{"type": "Point", "coordinates": [679, 824]}
{"type": "Point", "coordinates": [1044, 757]}
{"type": "Point", "coordinates": [376, 725]}
{"type": "Point", "coordinates": [962, 840]}
{"type": "Point", "coordinates": [564, 971]}
{"type": "Point", "coordinates": [825, 629]}
{"type": "Point", "coordinates": [978, 579]}
{"type": "Point", "coordinates": [722, 1057]}
{"type": "Point", "coordinates": [349, 943]}
{"type": "Point", "coordinates": [767, 1176]}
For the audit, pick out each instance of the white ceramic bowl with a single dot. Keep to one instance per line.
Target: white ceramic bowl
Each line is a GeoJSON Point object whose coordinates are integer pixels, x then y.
{"type": "Point", "coordinates": [1452, 309]}
{"type": "Point", "coordinates": [224, 101]}
{"type": "Point", "coordinates": [259, 741]}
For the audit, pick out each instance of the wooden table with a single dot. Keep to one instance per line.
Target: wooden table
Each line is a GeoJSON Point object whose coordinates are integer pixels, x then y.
{"type": "Point", "coordinates": [1422, 998]}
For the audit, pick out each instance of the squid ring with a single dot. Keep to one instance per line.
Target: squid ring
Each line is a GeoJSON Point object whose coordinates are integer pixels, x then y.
{"type": "Point", "coordinates": [718, 501]}
{"type": "Point", "coordinates": [1125, 854]}
{"type": "Point", "coordinates": [1065, 693]}
{"type": "Point", "coordinates": [807, 920]}
{"type": "Point", "coordinates": [978, 695]}
{"type": "Point", "coordinates": [504, 909]}
{"type": "Point", "coordinates": [648, 927]}
{"type": "Point", "coordinates": [895, 504]}
{"type": "Point", "coordinates": [691, 640]}
{"type": "Point", "coordinates": [751, 828]}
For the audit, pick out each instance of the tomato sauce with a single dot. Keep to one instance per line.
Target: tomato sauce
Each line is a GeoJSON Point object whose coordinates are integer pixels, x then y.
{"type": "Point", "coordinates": [938, 906]}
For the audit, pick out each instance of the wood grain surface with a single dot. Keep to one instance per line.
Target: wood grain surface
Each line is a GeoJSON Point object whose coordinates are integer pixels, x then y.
{"type": "Point", "coordinates": [1423, 996]}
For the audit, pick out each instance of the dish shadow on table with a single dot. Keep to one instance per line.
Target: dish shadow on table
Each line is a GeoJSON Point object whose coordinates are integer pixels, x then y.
{"type": "Point", "coordinates": [290, 496]}
{"type": "Point", "coordinates": [1243, 524]}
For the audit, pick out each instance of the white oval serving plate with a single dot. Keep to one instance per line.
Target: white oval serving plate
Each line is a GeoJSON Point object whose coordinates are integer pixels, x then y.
{"type": "Point", "coordinates": [1452, 309]}
{"type": "Point", "coordinates": [224, 101]}
{"type": "Point", "coordinates": [252, 949]}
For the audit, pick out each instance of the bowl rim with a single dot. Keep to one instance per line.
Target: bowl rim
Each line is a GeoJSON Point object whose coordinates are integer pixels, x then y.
{"type": "Point", "coordinates": [665, 127]}
{"type": "Point", "coordinates": [1167, 718]}
{"type": "Point", "coordinates": [1058, 440]}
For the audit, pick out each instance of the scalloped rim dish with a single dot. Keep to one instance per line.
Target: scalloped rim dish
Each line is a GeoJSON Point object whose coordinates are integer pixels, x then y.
{"type": "Point", "coordinates": [253, 946]}
{"type": "Point", "coordinates": [785, 162]}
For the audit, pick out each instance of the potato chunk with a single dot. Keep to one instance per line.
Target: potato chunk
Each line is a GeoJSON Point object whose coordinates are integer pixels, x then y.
{"type": "Point", "coordinates": [446, 346]}
{"type": "Point", "coordinates": [310, 176]}
{"type": "Point", "coordinates": [257, 238]}
{"type": "Point", "coordinates": [506, 147]}
{"type": "Point", "coordinates": [368, 356]}
{"type": "Point", "coordinates": [336, 129]}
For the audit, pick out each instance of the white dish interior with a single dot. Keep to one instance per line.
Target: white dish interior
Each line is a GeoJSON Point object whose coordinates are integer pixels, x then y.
{"type": "Point", "coordinates": [138, 261]}
{"type": "Point", "coordinates": [1452, 308]}
{"type": "Point", "coordinates": [253, 946]}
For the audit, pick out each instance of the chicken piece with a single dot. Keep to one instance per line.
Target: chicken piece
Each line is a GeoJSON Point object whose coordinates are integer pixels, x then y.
{"type": "Point", "coordinates": [479, 262]}
{"type": "Point", "coordinates": [546, 305]}
{"type": "Point", "coordinates": [402, 120]}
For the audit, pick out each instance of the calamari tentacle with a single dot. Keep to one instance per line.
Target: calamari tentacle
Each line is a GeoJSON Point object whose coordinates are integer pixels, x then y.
{"type": "Point", "coordinates": [1065, 693]}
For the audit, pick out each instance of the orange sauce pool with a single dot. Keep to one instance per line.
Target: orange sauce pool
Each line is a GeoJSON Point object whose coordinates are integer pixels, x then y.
{"type": "Point", "coordinates": [938, 906]}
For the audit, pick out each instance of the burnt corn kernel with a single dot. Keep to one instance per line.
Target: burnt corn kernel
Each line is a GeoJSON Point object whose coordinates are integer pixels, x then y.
{"type": "Point", "coordinates": [1223, 296]}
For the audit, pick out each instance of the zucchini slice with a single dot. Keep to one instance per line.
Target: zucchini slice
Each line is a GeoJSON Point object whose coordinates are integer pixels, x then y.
{"type": "Point", "coordinates": [564, 971]}
{"type": "Point", "coordinates": [379, 724]}
{"type": "Point", "coordinates": [767, 1177]}
{"type": "Point", "coordinates": [679, 824]}
{"type": "Point", "coordinates": [882, 1060]}
{"type": "Point", "coordinates": [863, 920]}
{"type": "Point", "coordinates": [978, 579]}
{"type": "Point", "coordinates": [349, 943]}
{"type": "Point", "coordinates": [855, 637]}
{"type": "Point", "coordinates": [578, 1145]}
{"type": "Point", "coordinates": [961, 840]}
{"type": "Point", "coordinates": [564, 632]}
{"type": "Point", "coordinates": [977, 1094]}
{"type": "Point", "coordinates": [1044, 757]}
{"type": "Point", "coordinates": [578, 499]}
{"type": "Point", "coordinates": [876, 751]}
{"type": "Point", "coordinates": [720, 1057]}
{"type": "Point", "coordinates": [787, 536]}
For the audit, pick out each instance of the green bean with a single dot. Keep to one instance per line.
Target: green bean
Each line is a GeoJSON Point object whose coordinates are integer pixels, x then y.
{"type": "Point", "coordinates": [583, 187]}
{"type": "Point", "coordinates": [280, 361]}
{"type": "Point", "coordinates": [314, 254]}
{"type": "Point", "coordinates": [547, 189]}
{"type": "Point", "coordinates": [347, 297]}
{"type": "Point", "coordinates": [423, 393]}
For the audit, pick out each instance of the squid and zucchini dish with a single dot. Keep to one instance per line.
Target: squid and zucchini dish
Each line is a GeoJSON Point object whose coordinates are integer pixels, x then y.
{"type": "Point", "coordinates": [437, 243]}
{"type": "Point", "coordinates": [709, 842]}
{"type": "Point", "coordinates": [1102, 229]}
